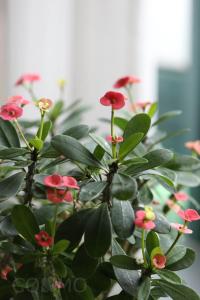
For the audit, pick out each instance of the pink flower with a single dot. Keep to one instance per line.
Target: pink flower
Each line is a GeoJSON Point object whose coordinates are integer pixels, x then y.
{"type": "Point", "coordinates": [115, 140]}
{"type": "Point", "coordinates": [181, 196]}
{"type": "Point", "coordinates": [43, 239]}
{"type": "Point", "coordinates": [144, 221]}
{"type": "Point", "coordinates": [194, 146]}
{"type": "Point", "coordinates": [4, 272]}
{"type": "Point", "coordinates": [70, 182]}
{"type": "Point", "coordinates": [10, 111]}
{"type": "Point", "coordinates": [124, 81]}
{"type": "Point", "coordinates": [159, 261]}
{"type": "Point", "coordinates": [28, 78]}
{"type": "Point", "coordinates": [181, 228]}
{"type": "Point", "coordinates": [58, 285]}
{"type": "Point", "coordinates": [114, 99]}
{"type": "Point", "coordinates": [172, 205]}
{"type": "Point", "coordinates": [44, 104]}
{"type": "Point", "coordinates": [54, 180]}
{"type": "Point", "coordinates": [189, 215]}
{"type": "Point", "coordinates": [140, 105]}
{"type": "Point", "coordinates": [18, 100]}
{"type": "Point", "coordinates": [57, 196]}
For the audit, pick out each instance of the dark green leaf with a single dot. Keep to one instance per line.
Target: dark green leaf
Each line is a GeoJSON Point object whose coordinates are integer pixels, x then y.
{"type": "Point", "coordinates": [144, 289]}
{"type": "Point", "coordinates": [123, 187]}
{"type": "Point", "coordinates": [152, 241]}
{"type": "Point", "coordinates": [77, 289]}
{"type": "Point", "coordinates": [129, 144]}
{"type": "Point", "coordinates": [91, 191]}
{"type": "Point", "coordinates": [121, 296]}
{"type": "Point", "coordinates": [157, 293]}
{"type": "Point", "coordinates": [11, 185]}
{"type": "Point", "coordinates": [124, 262]}
{"type": "Point", "coordinates": [139, 123]}
{"type": "Point", "coordinates": [60, 267]}
{"type": "Point", "coordinates": [46, 128]}
{"type": "Point", "coordinates": [72, 149]}
{"type": "Point", "coordinates": [99, 281]}
{"type": "Point", "coordinates": [9, 153]}
{"type": "Point", "coordinates": [83, 265]}
{"type": "Point", "coordinates": [8, 135]}
{"type": "Point", "coordinates": [25, 222]}
{"type": "Point", "coordinates": [101, 142]}
{"type": "Point", "coordinates": [162, 224]}
{"type": "Point", "coordinates": [184, 163]}
{"type": "Point", "coordinates": [122, 217]}
{"type": "Point", "coordinates": [176, 254]}
{"type": "Point", "coordinates": [167, 116]}
{"type": "Point", "coordinates": [187, 179]}
{"type": "Point", "coordinates": [169, 276]}
{"type": "Point", "coordinates": [60, 247]}
{"type": "Point", "coordinates": [98, 232]}
{"type": "Point", "coordinates": [77, 132]}
{"type": "Point", "coordinates": [185, 262]}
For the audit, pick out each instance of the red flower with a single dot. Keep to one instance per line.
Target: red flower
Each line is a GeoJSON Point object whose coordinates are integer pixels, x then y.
{"type": "Point", "coordinates": [57, 196]}
{"type": "Point", "coordinates": [159, 261]}
{"type": "Point", "coordinates": [4, 272]}
{"type": "Point", "coordinates": [194, 146]}
{"type": "Point", "coordinates": [43, 239]}
{"type": "Point", "coordinates": [181, 196]}
{"type": "Point", "coordinates": [58, 285]}
{"type": "Point", "coordinates": [189, 215]}
{"type": "Point", "coordinates": [144, 219]}
{"type": "Point", "coordinates": [54, 180]}
{"type": "Point", "coordinates": [181, 228]}
{"type": "Point", "coordinates": [28, 78]}
{"type": "Point", "coordinates": [115, 140]}
{"type": "Point", "coordinates": [10, 111]}
{"type": "Point", "coordinates": [124, 81]}
{"type": "Point", "coordinates": [18, 100]}
{"type": "Point", "coordinates": [70, 182]}
{"type": "Point", "coordinates": [114, 99]}
{"type": "Point", "coordinates": [140, 105]}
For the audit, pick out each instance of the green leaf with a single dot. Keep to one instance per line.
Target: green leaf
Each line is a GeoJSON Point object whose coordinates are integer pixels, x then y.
{"type": "Point", "coordinates": [135, 161]}
{"type": "Point", "coordinates": [167, 116]}
{"type": "Point", "coordinates": [60, 267]}
{"type": "Point", "coordinates": [127, 279]}
{"type": "Point", "coordinates": [72, 149]}
{"type": "Point", "coordinates": [176, 254]}
{"type": "Point", "coordinates": [8, 135]}
{"type": "Point", "coordinates": [120, 122]}
{"type": "Point", "coordinates": [184, 163]}
{"type": "Point", "coordinates": [122, 217]}
{"type": "Point", "coordinates": [46, 128]}
{"type": "Point", "coordinates": [100, 281]}
{"type": "Point", "coordinates": [77, 132]}
{"type": "Point", "coordinates": [56, 110]}
{"type": "Point", "coordinates": [124, 262]}
{"type": "Point", "coordinates": [168, 276]}
{"type": "Point", "coordinates": [162, 224]}
{"type": "Point", "coordinates": [11, 185]}
{"type": "Point", "coordinates": [144, 289]}
{"type": "Point", "coordinates": [101, 142]}
{"type": "Point", "coordinates": [155, 159]}
{"type": "Point", "coordinates": [25, 222]}
{"type": "Point", "coordinates": [83, 265]}
{"type": "Point", "coordinates": [178, 291]}
{"type": "Point", "coordinates": [123, 187]}
{"type": "Point", "coordinates": [77, 289]}
{"type": "Point", "coordinates": [91, 191]}
{"type": "Point", "coordinates": [152, 110]}
{"type": "Point", "coordinates": [152, 241]}
{"type": "Point", "coordinates": [60, 247]}
{"type": "Point", "coordinates": [73, 228]}
{"type": "Point", "coordinates": [9, 153]}
{"type": "Point", "coordinates": [98, 232]}
{"type": "Point", "coordinates": [185, 262]}
{"type": "Point", "coordinates": [36, 143]}
{"type": "Point", "coordinates": [129, 144]}
{"type": "Point", "coordinates": [157, 293]}
{"type": "Point", "coordinates": [187, 179]}
{"type": "Point", "coordinates": [139, 123]}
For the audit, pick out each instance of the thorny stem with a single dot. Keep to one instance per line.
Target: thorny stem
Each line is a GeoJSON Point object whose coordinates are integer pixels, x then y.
{"type": "Point", "coordinates": [54, 220]}
{"type": "Point", "coordinates": [29, 178]}
{"type": "Point", "coordinates": [106, 194]}
{"type": "Point", "coordinates": [22, 135]}
{"type": "Point", "coordinates": [113, 133]}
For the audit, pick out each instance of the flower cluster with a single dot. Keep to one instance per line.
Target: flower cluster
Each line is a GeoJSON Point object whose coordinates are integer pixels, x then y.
{"type": "Point", "coordinates": [144, 218]}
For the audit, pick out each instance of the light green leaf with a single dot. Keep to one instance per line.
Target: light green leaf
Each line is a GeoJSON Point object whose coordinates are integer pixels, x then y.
{"type": "Point", "coordinates": [139, 123]}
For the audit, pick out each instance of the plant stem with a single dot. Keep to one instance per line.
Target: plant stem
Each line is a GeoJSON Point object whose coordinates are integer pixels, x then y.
{"type": "Point", "coordinates": [143, 248]}
{"type": "Point", "coordinates": [22, 135]}
{"type": "Point", "coordinates": [113, 134]}
{"type": "Point", "coordinates": [174, 243]}
{"type": "Point", "coordinates": [41, 125]}
{"type": "Point", "coordinates": [29, 178]}
{"type": "Point", "coordinates": [54, 220]}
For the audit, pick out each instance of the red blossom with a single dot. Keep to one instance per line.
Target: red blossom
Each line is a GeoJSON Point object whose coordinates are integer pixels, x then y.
{"type": "Point", "coordinates": [57, 196]}
{"type": "Point", "coordinates": [114, 99]}
{"type": "Point", "coordinates": [159, 261]}
{"type": "Point", "coordinates": [181, 228]}
{"type": "Point", "coordinates": [194, 146]}
{"type": "Point", "coordinates": [18, 100]}
{"type": "Point", "coordinates": [28, 78]}
{"type": "Point", "coordinates": [144, 219]}
{"type": "Point", "coordinates": [58, 284]}
{"type": "Point", "coordinates": [54, 180]}
{"type": "Point", "coordinates": [140, 105]}
{"type": "Point", "coordinates": [10, 111]}
{"type": "Point", "coordinates": [43, 239]}
{"type": "Point", "coordinates": [181, 196]}
{"type": "Point", "coordinates": [70, 182]}
{"type": "Point", "coordinates": [4, 272]}
{"type": "Point", "coordinates": [124, 81]}
{"type": "Point", "coordinates": [115, 140]}
{"type": "Point", "coordinates": [189, 215]}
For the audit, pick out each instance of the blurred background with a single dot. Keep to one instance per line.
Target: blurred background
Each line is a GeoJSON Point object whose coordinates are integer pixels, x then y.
{"type": "Point", "coordinates": [92, 43]}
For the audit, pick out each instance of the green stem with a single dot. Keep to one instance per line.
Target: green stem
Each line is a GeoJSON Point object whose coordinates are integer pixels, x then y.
{"type": "Point", "coordinates": [54, 221]}
{"type": "Point", "coordinates": [143, 248]}
{"type": "Point", "coordinates": [41, 125]}
{"type": "Point", "coordinates": [22, 135]}
{"type": "Point", "coordinates": [174, 243]}
{"type": "Point", "coordinates": [114, 153]}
